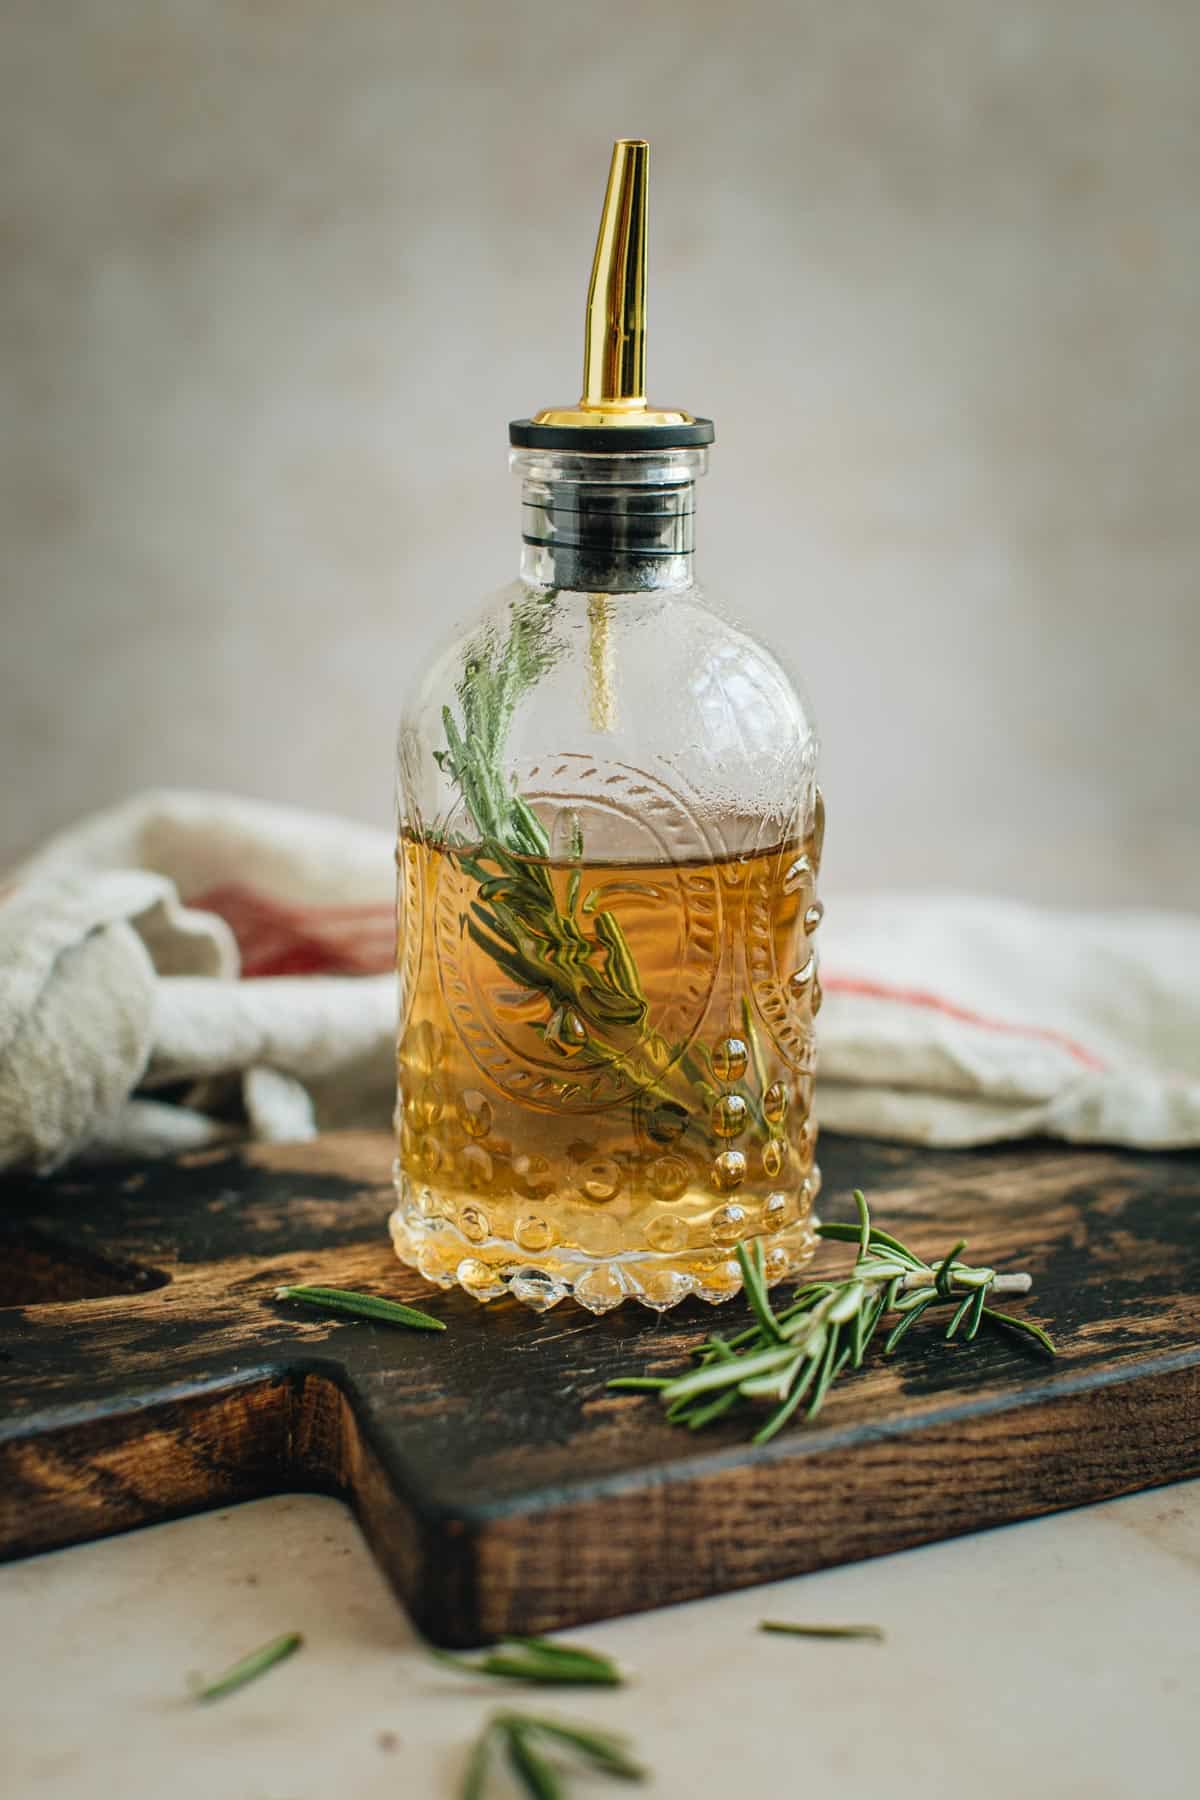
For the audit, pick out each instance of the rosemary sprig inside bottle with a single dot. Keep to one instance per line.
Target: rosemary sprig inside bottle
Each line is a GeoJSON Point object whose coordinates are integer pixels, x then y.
{"type": "Point", "coordinates": [792, 1357]}
{"type": "Point", "coordinates": [574, 954]}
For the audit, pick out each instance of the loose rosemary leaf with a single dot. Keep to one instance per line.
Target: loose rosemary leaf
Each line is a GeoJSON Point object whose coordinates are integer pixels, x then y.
{"type": "Point", "coordinates": [539, 1663]}
{"type": "Point", "coordinates": [525, 1738]}
{"type": "Point", "coordinates": [604, 1749]}
{"type": "Point", "coordinates": [475, 1778]}
{"type": "Point", "coordinates": [537, 1777]}
{"type": "Point", "coordinates": [250, 1667]}
{"type": "Point", "coordinates": [574, 1653]}
{"type": "Point", "coordinates": [785, 1628]}
{"type": "Point", "coordinates": [362, 1306]}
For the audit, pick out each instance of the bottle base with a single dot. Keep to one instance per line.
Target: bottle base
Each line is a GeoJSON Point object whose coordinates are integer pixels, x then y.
{"type": "Point", "coordinates": [490, 1270]}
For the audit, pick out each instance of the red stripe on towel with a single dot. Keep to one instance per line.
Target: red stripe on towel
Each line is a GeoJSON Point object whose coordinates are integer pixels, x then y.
{"type": "Point", "coordinates": [877, 990]}
{"type": "Point", "coordinates": [276, 939]}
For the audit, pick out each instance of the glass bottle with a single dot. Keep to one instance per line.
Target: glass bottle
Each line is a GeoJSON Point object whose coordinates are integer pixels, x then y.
{"type": "Point", "coordinates": [609, 837]}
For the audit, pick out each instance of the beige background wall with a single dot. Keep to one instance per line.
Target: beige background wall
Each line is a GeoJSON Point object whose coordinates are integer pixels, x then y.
{"type": "Point", "coordinates": [275, 276]}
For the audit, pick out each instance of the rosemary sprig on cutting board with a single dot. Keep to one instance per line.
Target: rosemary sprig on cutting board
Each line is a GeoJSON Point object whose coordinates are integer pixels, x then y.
{"type": "Point", "coordinates": [791, 1358]}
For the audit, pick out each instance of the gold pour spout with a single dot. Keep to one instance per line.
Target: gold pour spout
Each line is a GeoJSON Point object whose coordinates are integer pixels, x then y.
{"type": "Point", "coordinates": [614, 345]}
{"type": "Point", "coordinates": [614, 340]}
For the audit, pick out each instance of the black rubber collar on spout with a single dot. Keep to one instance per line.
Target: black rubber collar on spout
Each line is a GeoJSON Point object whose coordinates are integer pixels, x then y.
{"type": "Point", "coordinates": [609, 440]}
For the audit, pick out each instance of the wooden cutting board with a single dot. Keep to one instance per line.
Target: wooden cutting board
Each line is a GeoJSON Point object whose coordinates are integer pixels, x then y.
{"type": "Point", "coordinates": [147, 1371]}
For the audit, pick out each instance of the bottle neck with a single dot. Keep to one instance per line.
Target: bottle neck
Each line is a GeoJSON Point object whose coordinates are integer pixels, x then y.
{"type": "Point", "coordinates": [608, 524]}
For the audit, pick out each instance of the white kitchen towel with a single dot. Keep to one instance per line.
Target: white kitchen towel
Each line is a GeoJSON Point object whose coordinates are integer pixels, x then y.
{"type": "Point", "coordinates": [959, 1020]}
{"type": "Point", "coordinates": [188, 966]}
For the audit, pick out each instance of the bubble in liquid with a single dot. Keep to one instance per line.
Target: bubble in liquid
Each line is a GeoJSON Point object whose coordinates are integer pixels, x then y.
{"type": "Point", "coordinates": [474, 1224]}
{"type": "Point", "coordinates": [798, 981]}
{"type": "Point", "coordinates": [728, 1224]}
{"type": "Point", "coordinates": [777, 1210]}
{"type": "Point", "coordinates": [477, 1168]}
{"type": "Point", "coordinates": [474, 1112]}
{"type": "Point", "coordinates": [598, 1177]}
{"type": "Point", "coordinates": [797, 875]}
{"type": "Point", "coordinates": [775, 1103]}
{"type": "Point", "coordinates": [776, 1262]}
{"type": "Point", "coordinates": [720, 1280]}
{"type": "Point", "coordinates": [813, 917]}
{"type": "Point", "coordinates": [481, 1282]}
{"type": "Point", "coordinates": [774, 1157]}
{"type": "Point", "coordinates": [729, 1059]}
{"type": "Point", "coordinates": [533, 1233]}
{"type": "Point", "coordinates": [666, 1233]}
{"type": "Point", "coordinates": [535, 1288]}
{"type": "Point", "coordinates": [667, 1122]}
{"type": "Point", "coordinates": [532, 1175]}
{"type": "Point", "coordinates": [600, 1289]}
{"type": "Point", "coordinates": [730, 1116]}
{"type": "Point", "coordinates": [429, 1158]}
{"type": "Point", "coordinates": [430, 1102]}
{"type": "Point", "coordinates": [662, 1288]}
{"type": "Point", "coordinates": [429, 1261]}
{"type": "Point", "coordinates": [728, 1171]}
{"type": "Point", "coordinates": [421, 1048]}
{"type": "Point", "coordinates": [669, 1177]}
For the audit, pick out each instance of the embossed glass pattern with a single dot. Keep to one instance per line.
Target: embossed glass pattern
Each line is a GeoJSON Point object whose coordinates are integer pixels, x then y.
{"type": "Point", "coordinates": [609, 840]}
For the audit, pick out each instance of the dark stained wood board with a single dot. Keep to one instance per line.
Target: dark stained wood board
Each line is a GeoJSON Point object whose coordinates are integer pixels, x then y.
{"type": "Point", "coordinates": [147, 1371]}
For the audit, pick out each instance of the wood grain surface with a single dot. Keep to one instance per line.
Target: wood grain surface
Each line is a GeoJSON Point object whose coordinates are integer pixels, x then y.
{"type": "Point", "coordinates": [146, 1370]}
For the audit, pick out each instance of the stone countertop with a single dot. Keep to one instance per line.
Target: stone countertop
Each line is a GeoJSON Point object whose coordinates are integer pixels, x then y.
{"type": "Point", "coordinates": [1058, 1658]}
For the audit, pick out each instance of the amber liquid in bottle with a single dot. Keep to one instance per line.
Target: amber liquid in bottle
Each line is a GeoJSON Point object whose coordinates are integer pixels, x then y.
{"type": "Point", "coordinates": [541, 1156]}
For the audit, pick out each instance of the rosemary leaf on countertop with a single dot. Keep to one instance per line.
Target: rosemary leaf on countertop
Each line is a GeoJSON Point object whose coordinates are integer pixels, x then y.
{"type": "Point", "coordinates": [785, 1628]}
{"type": "Point", "coordinates": [604, 1749]}
{"type": "Point", "coordinates": [529, 1741]}
{"type": "Point", "coordinates": [250, 1667]}
{"type": "Point", "coordinates": [539, 1662]}
{"type": "Point", "coordinates": [362, 1306]}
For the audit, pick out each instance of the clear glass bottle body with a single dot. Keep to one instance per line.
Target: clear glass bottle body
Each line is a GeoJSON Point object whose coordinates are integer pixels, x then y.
{"type": "Point", "coordinates": [609, 836]}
